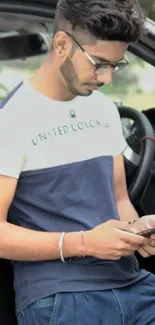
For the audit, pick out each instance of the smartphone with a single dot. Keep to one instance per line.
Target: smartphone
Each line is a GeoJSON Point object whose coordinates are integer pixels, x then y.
{"type": "Point", "coordinates": [147, 233]}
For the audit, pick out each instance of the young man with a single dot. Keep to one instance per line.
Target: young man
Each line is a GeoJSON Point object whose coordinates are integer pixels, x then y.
{"type": "Point", "coordinates": [64, 206]}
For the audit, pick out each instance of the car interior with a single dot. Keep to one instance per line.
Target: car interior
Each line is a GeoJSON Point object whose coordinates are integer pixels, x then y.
{"type": "Point", "coordinates": [25, 40]}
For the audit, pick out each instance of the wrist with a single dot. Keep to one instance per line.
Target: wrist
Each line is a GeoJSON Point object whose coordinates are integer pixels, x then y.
{"type": "Point", "coordinates": [88, 242]}
{"type": "Point", "coordinates": [72, 246]}
{"type": "Point", "coordinates": [77, 244]}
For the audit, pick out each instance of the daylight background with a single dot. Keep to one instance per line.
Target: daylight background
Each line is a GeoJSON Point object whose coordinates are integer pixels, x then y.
{"type": "Point", "coordinates": [134, 86]}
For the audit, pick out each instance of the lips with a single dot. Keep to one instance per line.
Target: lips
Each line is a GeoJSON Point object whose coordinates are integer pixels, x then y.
{"type": "Point", "coordinates": [93, 87]}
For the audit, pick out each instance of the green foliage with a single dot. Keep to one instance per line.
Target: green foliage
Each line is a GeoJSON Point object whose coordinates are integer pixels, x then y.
{"type": "Point", "coordinates": [149, 8]}
{"type": "Point", "coordinates": [126, 83]}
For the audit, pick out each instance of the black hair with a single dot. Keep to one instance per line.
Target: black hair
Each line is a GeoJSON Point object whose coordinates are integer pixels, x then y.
{"type": "Point", "coordinates": [113, 20]}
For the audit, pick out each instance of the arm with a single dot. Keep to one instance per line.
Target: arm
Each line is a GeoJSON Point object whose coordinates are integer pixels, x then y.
{"type": "Point", "coordinates": [125, 208]}
{"type": "Point", "coordinates": [17, 243]}
{"type": "Point", "coordinates": [20, 244]}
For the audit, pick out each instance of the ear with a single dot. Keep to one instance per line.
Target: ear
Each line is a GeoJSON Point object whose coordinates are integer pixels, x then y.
{"type": "Point", "coordinates": [62, 44]}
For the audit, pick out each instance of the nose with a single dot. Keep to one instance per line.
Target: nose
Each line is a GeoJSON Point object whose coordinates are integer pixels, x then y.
{"type": "Point", "coordinates": [106, 77]}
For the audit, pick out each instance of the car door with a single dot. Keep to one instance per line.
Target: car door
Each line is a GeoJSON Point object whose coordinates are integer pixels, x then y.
{"type": "Point", "coordinates": [22, 16]}
{"type": "Point", "coordinates": [14, 16]}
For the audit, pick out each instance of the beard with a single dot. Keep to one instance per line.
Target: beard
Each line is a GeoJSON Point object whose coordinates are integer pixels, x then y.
{"type": "Point", "coordinates": [71, 79]}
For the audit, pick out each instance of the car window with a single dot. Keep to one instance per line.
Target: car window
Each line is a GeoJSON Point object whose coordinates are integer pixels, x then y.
{"type": "Point", "coordinates": [12, 72]}
{"type": "Point", "coordinates": [148, 8]}
{"type": "Point", "coordinates": [134, 86]}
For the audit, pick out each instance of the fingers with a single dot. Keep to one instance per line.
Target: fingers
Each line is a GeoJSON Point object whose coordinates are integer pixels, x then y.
{"type": "Point", "coordinates": [121, 225]}
{"type": "Point", "coordinates": [152, 242]}
{"type": "Point", "coordinates": [133, 238]}
{"type": "Point", "coordinates": [148, 220]}
{"type": "Point", "coordinates": [147, 250]}
{"type": "Point", "coordinates": [136, 228]}
{"type": "Point", "coordinates": [144, 223]}
{"type": "Point", "coordinates": [144, 253]}
{"type": "Point", "coordinates": [129, 247]}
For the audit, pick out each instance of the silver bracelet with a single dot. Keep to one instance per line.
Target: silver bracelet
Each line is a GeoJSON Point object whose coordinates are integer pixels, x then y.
{"type": "Point", "coordinates": [61, 247]}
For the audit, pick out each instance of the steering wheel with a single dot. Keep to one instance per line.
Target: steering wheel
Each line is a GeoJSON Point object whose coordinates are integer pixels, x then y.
{"type": "Point", "coordinates": [143, 162]}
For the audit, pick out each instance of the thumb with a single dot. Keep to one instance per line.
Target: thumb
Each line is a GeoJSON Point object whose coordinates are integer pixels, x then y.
{"type": "Point", "coordinates": [149, 220]}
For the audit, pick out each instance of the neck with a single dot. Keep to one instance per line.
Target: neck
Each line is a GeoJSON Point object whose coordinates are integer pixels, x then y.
{"type": "Point", "coordinates": [47, 81]}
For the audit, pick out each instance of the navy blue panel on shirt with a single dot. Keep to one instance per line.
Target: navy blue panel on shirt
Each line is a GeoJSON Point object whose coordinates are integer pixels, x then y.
{"type": "Point", "coordinates": [68, 198]}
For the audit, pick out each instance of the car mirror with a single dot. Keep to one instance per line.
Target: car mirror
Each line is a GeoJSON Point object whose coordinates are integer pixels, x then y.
{"type": "Point", "coordinates": [22, 46]}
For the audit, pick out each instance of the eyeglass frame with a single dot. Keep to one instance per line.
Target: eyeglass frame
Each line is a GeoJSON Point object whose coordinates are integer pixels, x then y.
{"type": "Point", "coordinates": [99, 66]}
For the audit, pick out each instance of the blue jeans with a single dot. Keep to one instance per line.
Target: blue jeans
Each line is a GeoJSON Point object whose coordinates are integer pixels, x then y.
{"type": "Point", "coordinates": [133, 305]}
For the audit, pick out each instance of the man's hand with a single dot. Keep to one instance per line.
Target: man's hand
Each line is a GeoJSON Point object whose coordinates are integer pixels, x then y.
{"type": "Point", "coordinates": [145, 223]}
{"type": "Point", "coordinates": [148, 250]}
{"type": "Point", "coordinates": [111, 240]}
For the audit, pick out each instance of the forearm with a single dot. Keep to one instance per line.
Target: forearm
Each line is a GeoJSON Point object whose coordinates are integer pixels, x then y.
{"type": "Point", "coordinates": [126, 210]}
{"type": "Point", "coordinates": [22, 244]}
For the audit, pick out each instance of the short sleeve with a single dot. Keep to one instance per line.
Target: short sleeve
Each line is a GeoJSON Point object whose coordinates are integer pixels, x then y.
{"type": "Point", "coordinates": [118, 141]}
{"type": "Point", "coordinates": [11, 145]}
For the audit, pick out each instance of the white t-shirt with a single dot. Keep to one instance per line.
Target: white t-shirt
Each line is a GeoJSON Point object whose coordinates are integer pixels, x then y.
{"type": "Point", "coordinates": [62, 153]}
{"type": "Point", "coordinates": [37, 132]}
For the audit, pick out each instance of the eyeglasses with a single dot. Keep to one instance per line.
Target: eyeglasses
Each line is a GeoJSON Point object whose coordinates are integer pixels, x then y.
{"type": "Point", "coordinates": [101, 68]}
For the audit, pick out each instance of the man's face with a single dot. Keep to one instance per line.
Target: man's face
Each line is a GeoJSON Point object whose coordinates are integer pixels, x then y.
{"type": "Point", "coordinates": [78, 71]}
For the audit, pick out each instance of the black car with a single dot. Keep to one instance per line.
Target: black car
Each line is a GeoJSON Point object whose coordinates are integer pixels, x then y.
{"type": "Point", "coordinates": [25, 35]}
